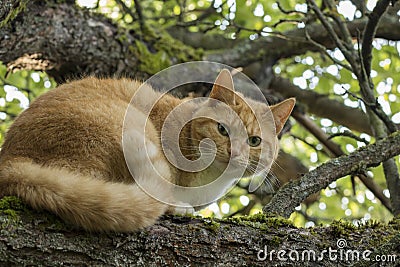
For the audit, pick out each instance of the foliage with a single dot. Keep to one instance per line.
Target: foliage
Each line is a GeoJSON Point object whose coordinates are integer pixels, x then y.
{"type": "Point", "coordinates": [251, 20]}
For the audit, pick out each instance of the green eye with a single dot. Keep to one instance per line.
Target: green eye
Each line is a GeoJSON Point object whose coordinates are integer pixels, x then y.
{"type": "Point", "coordinates": [254, 141]}
{"type": "Point", "coordinates": [223, 130]}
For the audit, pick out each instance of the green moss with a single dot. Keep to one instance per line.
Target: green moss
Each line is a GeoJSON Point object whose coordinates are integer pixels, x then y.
{"type": "Point", "coordinates": [14, 12]}
{"type": "Point", "coordinates": [372, 224]}
{"type": "Point", "coordinates": [152, 62]}
{"type": "Point", "coordinates": [261, 221]}
{"type": "Point", "coordinates": [342, 228]}
{"type": "Point", "coordinates": [11, 206]}
{"type": "Point", "coordinates": [276, 240]}
{"type": "Point", "coordinates": [212, 225]}
{"type": "Point", "coordinates": [156, 50]}
{"type": "Point", "coordinates": [395, 223]}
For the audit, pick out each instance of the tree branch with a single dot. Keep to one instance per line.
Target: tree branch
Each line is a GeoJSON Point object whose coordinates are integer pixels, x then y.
{"type": "Point", "coordinates": [293, 193]}
{"type": "Point", "coordinates": [370, 31]}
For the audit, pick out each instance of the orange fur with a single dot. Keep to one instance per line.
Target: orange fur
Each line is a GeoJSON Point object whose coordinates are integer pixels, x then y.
{"type": "Point", "coordinates": [64, 153]}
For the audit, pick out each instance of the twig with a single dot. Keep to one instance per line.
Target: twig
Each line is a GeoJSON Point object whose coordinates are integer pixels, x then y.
{"type": "Point", "coordinates": [309, 144]}
{"type": "Point", "coordinates": [126, 8]}
{"type": "Point", "coordinates": [288, 12]}
{"type": "Point", "coordinates": [376, 107]}
{"type": "Point", "coordinates": [281, 21]}
{"type": "Point", "coordinates": [327, 25]}
{"type": "Point", "coordinates": [139, 12]}
{"type": "Point", "coordinates": [347, 92]}
{"type": "Point", "coordinates": [351, 135]}
{"type": "Point", "coordinates": [346, 35]}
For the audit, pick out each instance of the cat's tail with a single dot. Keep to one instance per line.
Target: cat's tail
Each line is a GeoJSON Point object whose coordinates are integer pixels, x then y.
{"type": "Point", "coordinates": [92, 204]}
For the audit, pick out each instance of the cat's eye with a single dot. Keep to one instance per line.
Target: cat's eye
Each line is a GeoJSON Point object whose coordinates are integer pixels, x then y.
{"type": "Point", "coordinates": [223, 130]}
{"type": "Point", "coordinates": [254, 141]}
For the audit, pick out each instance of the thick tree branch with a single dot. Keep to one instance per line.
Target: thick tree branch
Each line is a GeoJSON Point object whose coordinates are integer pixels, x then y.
{"type": "Point", "coordinates": [293, 193]}
{"type": "Point", "coordinates": [39, 36]}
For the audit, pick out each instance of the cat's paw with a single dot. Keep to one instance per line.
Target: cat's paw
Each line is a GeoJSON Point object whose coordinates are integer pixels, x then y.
{"type": "Point", "coordinates": [181, 209]}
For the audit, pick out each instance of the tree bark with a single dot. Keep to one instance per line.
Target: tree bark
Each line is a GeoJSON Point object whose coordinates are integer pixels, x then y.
{"type": "Point", "coordinates": [29, 238]}
{"type": "Point", "coordinates": [66, 41]}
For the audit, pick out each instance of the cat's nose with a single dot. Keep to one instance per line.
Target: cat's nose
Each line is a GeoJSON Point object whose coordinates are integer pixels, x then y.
{"type": "Point", "coordinates": [234, 152]}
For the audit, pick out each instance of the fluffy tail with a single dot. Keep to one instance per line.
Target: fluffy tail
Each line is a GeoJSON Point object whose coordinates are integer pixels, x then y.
{"type": "Point", "coordinates": [94, 205]}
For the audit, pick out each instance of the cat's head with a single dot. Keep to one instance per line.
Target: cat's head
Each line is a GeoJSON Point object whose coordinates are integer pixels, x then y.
{"type": "Point", "coordinates": [244, 130]}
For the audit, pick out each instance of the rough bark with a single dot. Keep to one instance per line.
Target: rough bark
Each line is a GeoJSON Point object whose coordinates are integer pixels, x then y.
{"type": "Point", "coordinates": [67, 41]}
{"type": "Point", "coordinates": [29, 238]}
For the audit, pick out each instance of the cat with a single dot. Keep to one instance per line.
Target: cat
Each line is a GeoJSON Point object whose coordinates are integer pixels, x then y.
{"type": "Point", "coordinates": [64, 153]}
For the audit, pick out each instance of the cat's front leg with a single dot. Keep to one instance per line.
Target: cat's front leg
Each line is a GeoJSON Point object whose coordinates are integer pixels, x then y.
{"type": "Point", "coordinates": [181, 208]}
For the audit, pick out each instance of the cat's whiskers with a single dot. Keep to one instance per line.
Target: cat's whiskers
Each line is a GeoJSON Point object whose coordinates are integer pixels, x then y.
{"type": "Point", "coordinates": [276, 180]}
{"type": "Point", "coordinates": [275, 163]}
{"type": "Point", "coordinates": [270, 178]}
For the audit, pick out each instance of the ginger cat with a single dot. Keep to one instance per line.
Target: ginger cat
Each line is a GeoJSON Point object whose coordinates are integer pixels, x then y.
{"type": "Point", "coordinates": [64, 153]}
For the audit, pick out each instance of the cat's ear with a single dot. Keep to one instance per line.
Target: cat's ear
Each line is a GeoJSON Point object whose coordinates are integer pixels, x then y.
{"type": "Point", "coordinates": [223, 89]}
{"type": "Point", "coordinates": [281, 112]}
